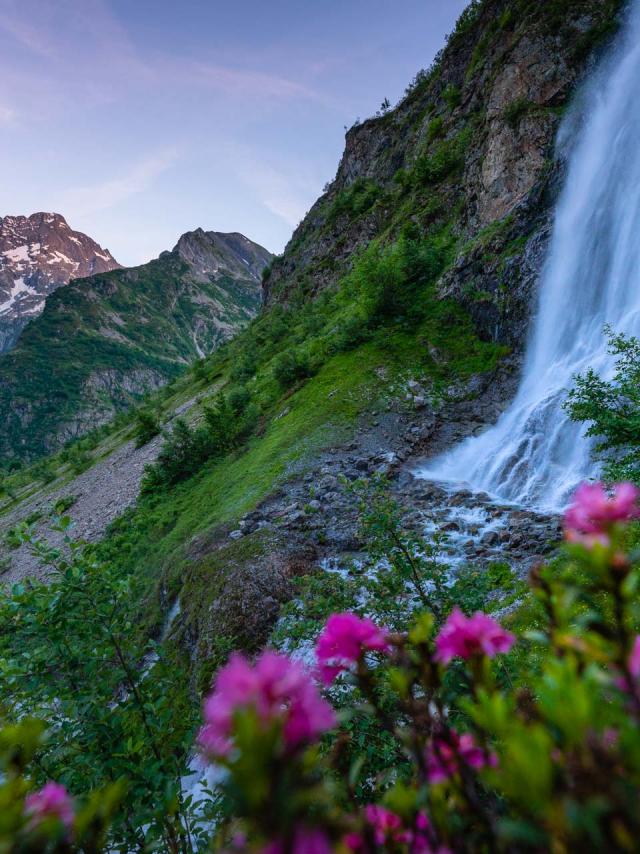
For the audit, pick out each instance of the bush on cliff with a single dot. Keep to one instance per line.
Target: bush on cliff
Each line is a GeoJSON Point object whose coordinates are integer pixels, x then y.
{"type": "Point", "coordinates": [391, 282]}
{"type": "Point", "coordinates": [611, 408]}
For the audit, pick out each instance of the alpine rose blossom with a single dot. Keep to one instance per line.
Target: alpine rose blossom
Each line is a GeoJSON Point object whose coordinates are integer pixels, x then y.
{"type": "Point", "coordinates": [277, 688]}
{"type": "Point", "coordinates": [51, 802]}
{"type": "Point", "coordinates": [634, 658]}
{"type": "Point", "coordinates": [444, 756]}
{"type": "Point", "coordinates": [305, 841]}
{"type": "Point", "coordinates": [344, 640]}
{"type": "Point", "coordinates": [594, 511]}
{"type": "Point", "coordinates": [389, 831]}
{"type": "Point", "coordinates": [633, 663]}
{"type": "Point", "coordinates": [466, 637]}
{"type": "Point", "coordinates": [387, 826]}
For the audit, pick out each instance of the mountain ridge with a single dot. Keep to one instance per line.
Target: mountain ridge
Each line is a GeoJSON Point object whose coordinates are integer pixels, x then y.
{"type": "Point", "coordinates": [104, 341]}
{"type": "Point", "coordinates": [40, 253]}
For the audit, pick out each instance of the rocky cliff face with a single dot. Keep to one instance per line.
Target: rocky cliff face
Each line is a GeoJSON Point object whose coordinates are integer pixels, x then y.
{"type": "Point", "coordinates": [470, 149]}
{"type": "Point", "coordinates": [103, 341]}
{"type": "Point", "coordinates": [39, 254]}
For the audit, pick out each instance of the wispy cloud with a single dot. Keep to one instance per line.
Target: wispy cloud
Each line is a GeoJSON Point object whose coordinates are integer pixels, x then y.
{"type": "Point", "coordinates": [288, 196]}
{"type": "Point", "coordinates": [74, 50]}
{"type": "Point", "coordinates": [246, 82]}
{"type": "Point", "coordinates": [107, 194]}
{"type": "Point", "coordinates": [7, 116]}
{"type": "Point", "coordinates": [65, 29]}
{"type": "Point", "coordinates": [14, 23]}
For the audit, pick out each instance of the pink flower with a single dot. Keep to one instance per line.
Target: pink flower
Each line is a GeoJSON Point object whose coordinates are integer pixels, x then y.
{"type": "Point", "coordinates": [305, 841]}
{"type": "Point", "coordinates": [594, 511]}
{"type": "Point", "coordinates": [51, 802]}
{"type": "Point", "coordinates": [444, 756]}
{"type": "Point", "coordinates": [344, 640]}
{"type": "Point", "coordinates": [634, 658]}
{"type": "Point", "coordinates": [633, 663]}
{"type": "Point", "coordinates": [354, 841]}
{"type": "Point", "coordinates": [389, 831]}
{"type": "Point", "coordinates": [387, 826]}
{"type": "Point", "coordinates": [468, 636]}
{"type": "Point", "coordinates": [277, 688]}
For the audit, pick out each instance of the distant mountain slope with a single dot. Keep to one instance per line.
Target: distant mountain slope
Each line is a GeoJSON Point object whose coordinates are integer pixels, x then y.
{"type": "Point", "coordinates": [39, 254]}
{"type": "Point", "coordinates": [103, 341]}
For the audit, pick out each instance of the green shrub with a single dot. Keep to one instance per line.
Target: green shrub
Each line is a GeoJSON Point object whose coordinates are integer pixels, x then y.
{"type": "Point", "coordinates": [186, 448]}
{"type": "Point", "coordinates": [447, 158]}
{"type": "Point", "coordinates": [516, 110]}
{"type": "Point", "coordinates": [79, 459]}
{"type": "Point", "coordinates": [181, 456]}
{"type": "Point", "coordinates": [467, 20]}
{"type": "Point", "coordinates": [290, 367]}
{"type": "Point", "coordinates": [44, 471]}
{"type": "Point", "coordinates": [435, 128]}
{"type": "Point", "coordinates": [147, 426]}
{"type": "Point", "coordinates": [506, 19]}
{"type": "Point", "coordinates": [387, 281]}
{"type": "Point", "coordinates": [238, 398]}
{"type": "Point", "coordinates": [63, 504]}
{"type": "Point", "coordinates": [355, 200]}
{"type": "Point", "coordinates": [612, 409]}
{"type": "Point", "coordinates": [452, 96]}
{"type": "Point", "coordinates": [245, 368]}
{"type": "Point", "coordinates": [352, 330]}
{"type": "Point", "coordinates": [7, 489]}
{"type": "Point", "coordinates": [13, 538]}
{"type": "Point", "coordinates": [200, 370]}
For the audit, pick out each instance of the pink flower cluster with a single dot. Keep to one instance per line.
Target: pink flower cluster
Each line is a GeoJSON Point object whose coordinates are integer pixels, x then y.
{"type": "Point", "coordinates": [277, 689]}
{"type": "Point", "coordinates": [633, 664]}
{"type": "Point", "coordinates": [344, 640]}
{"type": "Point", "coordinates": [51, 802]}
{"type": "Point", "coordinates": [634, 658]}
{"type": "Point", "coordinates": [593, 513]}
{"type": "Point", "coordinates": [305, 841]}
{"type": "Point", "coordinates": [389, 832]}
{"type": "Point", "coordinates": [466, 637]}
{"type": "Point", "coordinates": [445, 755]}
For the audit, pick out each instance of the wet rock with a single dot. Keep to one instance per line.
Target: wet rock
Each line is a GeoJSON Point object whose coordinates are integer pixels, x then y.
{"type": "Point", "coordinates": [490, 539]}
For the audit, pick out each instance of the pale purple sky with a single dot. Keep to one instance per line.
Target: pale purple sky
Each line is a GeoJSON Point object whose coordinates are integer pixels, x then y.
{"type": "Point", "coordinates": [141, 119]}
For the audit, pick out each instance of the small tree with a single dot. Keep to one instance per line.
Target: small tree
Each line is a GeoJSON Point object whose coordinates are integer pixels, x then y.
{"type": "Point", "coordinates": [147, 426]}
{"type": "Point", "coordinates": [290, 367]}
{"type": "Point", "coordinates": [612, 409]}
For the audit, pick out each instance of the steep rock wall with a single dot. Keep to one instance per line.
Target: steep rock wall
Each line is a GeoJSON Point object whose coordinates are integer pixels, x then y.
{"type": "Point", "coordinates": [470, 148]}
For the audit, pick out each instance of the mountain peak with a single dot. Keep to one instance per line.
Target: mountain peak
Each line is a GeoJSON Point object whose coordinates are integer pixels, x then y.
{"type": "Point", "coordinates": [216, 253]}
{"type": "Point", "coordinates": [38, 254]}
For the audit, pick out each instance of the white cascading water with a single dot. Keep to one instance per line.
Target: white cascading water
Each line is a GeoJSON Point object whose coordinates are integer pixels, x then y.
{"type": "Point", "coordinates": [534, 455]}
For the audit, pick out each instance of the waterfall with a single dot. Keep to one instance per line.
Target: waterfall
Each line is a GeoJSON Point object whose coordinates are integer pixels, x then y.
{"type": "Point", "coordinates": [534, 455]}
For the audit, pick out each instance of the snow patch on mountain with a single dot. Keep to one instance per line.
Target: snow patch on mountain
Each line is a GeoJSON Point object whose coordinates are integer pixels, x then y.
{"type": "Point", "coordinates": [39, 254]}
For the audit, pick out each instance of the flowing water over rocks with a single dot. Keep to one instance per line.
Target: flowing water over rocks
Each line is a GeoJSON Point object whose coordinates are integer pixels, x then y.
{"type": "Point", "coordinates": [534, 455]}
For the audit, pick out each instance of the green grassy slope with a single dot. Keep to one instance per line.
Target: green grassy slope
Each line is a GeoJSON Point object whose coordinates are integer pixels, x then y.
{"type": "Point", "coordinates": [102, 342]}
